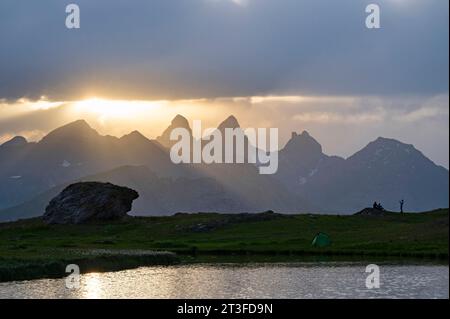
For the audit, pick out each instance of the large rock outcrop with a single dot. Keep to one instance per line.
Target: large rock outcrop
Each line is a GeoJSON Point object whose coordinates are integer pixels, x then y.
{"type": "Point", "coordinates": [89, 201]}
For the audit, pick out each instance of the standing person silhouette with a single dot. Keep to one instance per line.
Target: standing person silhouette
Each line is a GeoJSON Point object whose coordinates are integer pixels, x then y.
{"type": "Point", "coordinates": [401, 205]}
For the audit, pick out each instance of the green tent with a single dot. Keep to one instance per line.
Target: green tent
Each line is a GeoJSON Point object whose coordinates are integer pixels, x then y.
{"type": "Point", "coordinates": [321, 240]}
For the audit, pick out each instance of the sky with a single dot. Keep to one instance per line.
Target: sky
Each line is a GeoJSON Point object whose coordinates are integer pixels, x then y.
{"type": "Point", "coordinates": [296, 65]}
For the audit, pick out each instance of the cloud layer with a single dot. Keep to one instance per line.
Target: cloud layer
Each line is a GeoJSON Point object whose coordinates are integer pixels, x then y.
{"type": "Point", "coordinates": [342, 125]}
{"type": "Point", "coordinates": [309, 64]}
{"type": "Point", "coordinates": [222, 48]}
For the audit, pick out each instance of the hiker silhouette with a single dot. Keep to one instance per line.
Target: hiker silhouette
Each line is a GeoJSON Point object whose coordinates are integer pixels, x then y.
{"type": "Point", "coordinates": [401, 205]}
{"type": "Point", "coordinates": [377, 206]}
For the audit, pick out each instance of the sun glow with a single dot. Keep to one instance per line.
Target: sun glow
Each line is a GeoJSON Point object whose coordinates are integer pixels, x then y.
{"type": "Point", "coordinates": [113, 109]}
{"type": "Point", "coordinates": [92, 286]}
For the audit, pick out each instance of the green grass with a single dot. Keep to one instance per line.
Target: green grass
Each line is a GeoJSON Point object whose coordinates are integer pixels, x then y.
{"type": "Point", "coordinates": [31, 242]}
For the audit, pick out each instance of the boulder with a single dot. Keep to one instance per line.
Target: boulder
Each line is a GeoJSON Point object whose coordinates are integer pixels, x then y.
{"type": "Point", "coordinates": [89, 201]}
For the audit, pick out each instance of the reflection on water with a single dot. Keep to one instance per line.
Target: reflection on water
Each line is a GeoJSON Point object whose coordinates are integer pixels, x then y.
{"type": "Point", "coordinates": [92, 286]}
{"type": "Point", "coordinates": [330, 280]}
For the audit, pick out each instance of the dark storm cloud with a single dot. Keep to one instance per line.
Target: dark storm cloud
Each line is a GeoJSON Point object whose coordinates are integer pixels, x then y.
{"type": "Point", "coordinates": [210, 48]}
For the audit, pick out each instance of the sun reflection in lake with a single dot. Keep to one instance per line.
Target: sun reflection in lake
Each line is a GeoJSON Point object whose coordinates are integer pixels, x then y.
{"type": "Point", "coordinates": [92, 286]}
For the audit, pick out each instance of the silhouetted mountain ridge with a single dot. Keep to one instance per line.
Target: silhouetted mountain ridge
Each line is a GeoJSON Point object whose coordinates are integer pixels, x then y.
{"type": "Point", "coordinates": [179, 121]}
{"type": "Point", "coordinates": [70, 152]}
{"type": "Point", "coordinates": [16, 141]}
{"type": "Point", "coordinates": [385, 170]}
{"type": "Point", "coordinates": [229, 122]}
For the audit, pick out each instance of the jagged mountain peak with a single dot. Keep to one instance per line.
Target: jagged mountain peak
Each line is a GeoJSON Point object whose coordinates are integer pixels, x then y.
{"type": "Point", "coordinates": [304, 143]}
{"type": "Point", "coordinates": [387, 141]}
{"type": "Point", "coordinates": [383, 145]}
{"type": "Point", "coordinates": [305, 134]}
{"type": "Point", "coordinates": [389, 152]}
{"type": "Point", "coordinates": [134, 136]}
{"type": "Point", "coordinates": [229, 122]}
{"type": "Point", "coordinates": [16, 141]}
{"type": "Point", "coordinates": [77, 129]}
{"type": "Point", "coordinates": [78, 124]}
{"type": "Point", "coordinates": [178, 121]}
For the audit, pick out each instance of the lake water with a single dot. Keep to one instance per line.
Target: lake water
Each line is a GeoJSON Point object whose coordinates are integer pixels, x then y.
{"type": "Point", "coordinates": [305, 280]}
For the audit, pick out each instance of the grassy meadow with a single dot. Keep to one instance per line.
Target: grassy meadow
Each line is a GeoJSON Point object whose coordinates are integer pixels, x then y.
{"type": "Point", "coordinates": [32, 249]}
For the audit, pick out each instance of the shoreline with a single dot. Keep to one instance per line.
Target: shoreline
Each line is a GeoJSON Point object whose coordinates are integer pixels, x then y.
{"type": "Point", "coordinates": [40, 269]}
{"type": "Point", "coordinates": [31, 249]}
{"type": "Point", "coordinates": [52, 269]}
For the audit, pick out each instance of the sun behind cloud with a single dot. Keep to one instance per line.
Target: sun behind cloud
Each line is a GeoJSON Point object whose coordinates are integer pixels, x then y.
{"type": "Point", "coordinates": [112, 109]}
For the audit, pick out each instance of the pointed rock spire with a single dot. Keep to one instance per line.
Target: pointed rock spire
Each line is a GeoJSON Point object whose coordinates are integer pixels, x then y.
{"type": "Point", "coordinates": [178, 121]}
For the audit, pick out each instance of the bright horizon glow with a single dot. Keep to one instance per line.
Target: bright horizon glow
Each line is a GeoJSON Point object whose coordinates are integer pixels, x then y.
{"type": "Point", "coordinates": [342, 124]}
{"type": "Point", "coordinates": [92, 288]}
{"type": "Point", "coordinates": [113, 109]}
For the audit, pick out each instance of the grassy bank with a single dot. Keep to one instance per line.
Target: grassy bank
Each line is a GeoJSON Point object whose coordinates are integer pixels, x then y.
{"type": "Point", "coordinates": [30, 244]}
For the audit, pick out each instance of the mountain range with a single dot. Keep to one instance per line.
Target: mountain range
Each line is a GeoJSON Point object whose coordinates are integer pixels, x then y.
{"type": "Point", "coordinates": [386, 171]}
{"type": "Point", "coordinates": [307, 180]}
